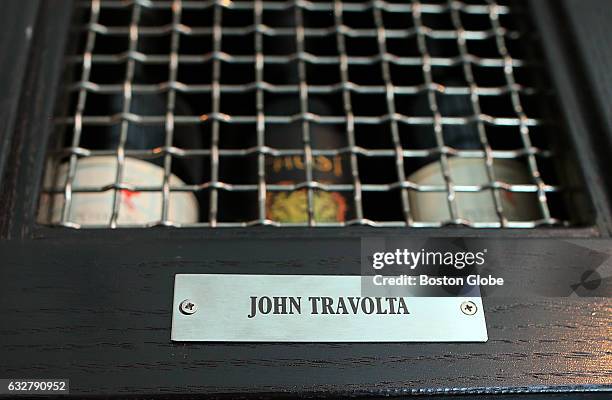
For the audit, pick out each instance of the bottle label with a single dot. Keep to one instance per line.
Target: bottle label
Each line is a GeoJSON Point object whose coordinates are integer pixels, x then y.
{"type": "Point", "coordinates": [135, 208]}
{"type": "Point", "coordinates": [473, 206]}
{"type": "Point", "coordinates": [323, 167]}
{"type": "Point", "coordinates": [292, 207]}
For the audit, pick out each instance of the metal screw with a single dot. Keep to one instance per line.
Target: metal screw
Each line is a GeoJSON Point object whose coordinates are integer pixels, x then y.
{"type": "Point", "coordinates": [188, 307]}
{"type": "Point", "coordinates": [468, 308]}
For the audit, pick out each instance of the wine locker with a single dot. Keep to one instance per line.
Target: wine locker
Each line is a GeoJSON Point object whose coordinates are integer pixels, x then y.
{"type": "Point", "coordinates": [299, 198]}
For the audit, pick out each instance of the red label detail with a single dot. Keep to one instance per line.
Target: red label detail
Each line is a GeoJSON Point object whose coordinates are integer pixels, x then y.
{"type": "Point", "coordinates": [127, 197]}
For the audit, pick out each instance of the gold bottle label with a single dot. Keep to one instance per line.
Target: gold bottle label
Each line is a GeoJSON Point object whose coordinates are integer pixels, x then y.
{"type": "Point", "coordinates": [292, 207]}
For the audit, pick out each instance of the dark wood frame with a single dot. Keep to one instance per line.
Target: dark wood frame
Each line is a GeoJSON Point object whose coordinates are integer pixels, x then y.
{"type": "Point", "coordinates": [94, 306]}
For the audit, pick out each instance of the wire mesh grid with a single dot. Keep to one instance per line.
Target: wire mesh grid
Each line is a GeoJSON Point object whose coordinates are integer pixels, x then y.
{"type": "Point", "coordinates": [302, 113]}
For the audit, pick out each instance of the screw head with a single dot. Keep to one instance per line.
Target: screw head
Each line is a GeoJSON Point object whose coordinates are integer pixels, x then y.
{"type": "Point", "coordinates": [188, 307]}
{"type": "Point", "coordinates": [469, 308]}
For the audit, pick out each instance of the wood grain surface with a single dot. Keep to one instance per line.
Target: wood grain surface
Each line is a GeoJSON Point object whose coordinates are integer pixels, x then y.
{"type": "Point", "coordinates": [100, 314]}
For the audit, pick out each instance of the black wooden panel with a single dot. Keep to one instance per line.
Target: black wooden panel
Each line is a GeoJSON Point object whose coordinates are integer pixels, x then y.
{"type": "Point", "coordinates": [568, 62]}
{"type": "Point", "coordinates": [16, 29]}
{"type": "Point", "coordinates": [99, 314]}
{"type": "Point", "coordinates": [33, 119]}
{"type": "Point", "coordinates": [577, 41]}
{"type": "Point", "coordinates": [590, 22]}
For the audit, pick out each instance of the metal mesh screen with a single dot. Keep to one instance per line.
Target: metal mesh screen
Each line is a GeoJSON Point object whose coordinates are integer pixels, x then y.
{"type": "Point", "coordinates": [302, 113]}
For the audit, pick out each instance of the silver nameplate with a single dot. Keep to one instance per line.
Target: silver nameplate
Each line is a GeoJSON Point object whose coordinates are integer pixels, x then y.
{"type": "Point", "coordinates": [314, 308]}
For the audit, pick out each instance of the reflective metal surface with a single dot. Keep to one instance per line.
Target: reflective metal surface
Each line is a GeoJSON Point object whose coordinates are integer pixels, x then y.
{"type": "Point", "coordinates": [314, 308]}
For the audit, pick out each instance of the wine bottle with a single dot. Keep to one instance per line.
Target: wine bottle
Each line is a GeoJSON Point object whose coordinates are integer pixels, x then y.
{"type": "Point", "coordinates": [292, 207]}
{"type": "Point", "coordinates": [477, 206]}
{"type": "Point", "coordinates": [137, 208]}
{"type": "Point", "coordinates": [459, 137]}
